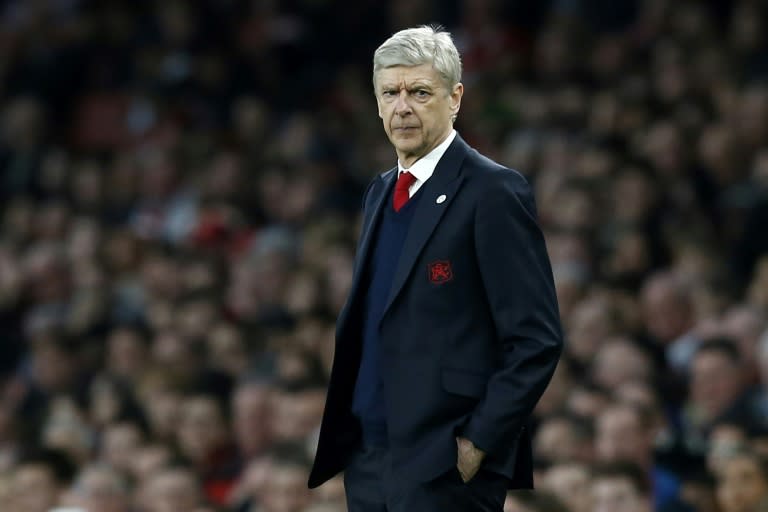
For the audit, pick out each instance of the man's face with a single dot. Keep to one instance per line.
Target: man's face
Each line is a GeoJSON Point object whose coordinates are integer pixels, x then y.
{"type": "Point", "coordinates": [100, 491]}
{"type": "Point", "coordinates": [741, 486]}
{"type": "Point", "coordinates": [251, 413]}
{"type": "Point", "coordinates": [621, 437]}
{"type": "Point", "coordinates": [715, 383]}
{"type": "Point", "coordinates": [34, 489]}
{"type": "Point", "coordinates": [286, 490]}
{"type": "Point", "coordinates": [416, 108]}
{"type": "Point", "coordinates": [612, 494]}
{"type": "Point", "coordinates": [570, 483]}
{"type": "Point", "coordinates": [172, 491]}
{"type": "Point", "coordinates": [202, 429]}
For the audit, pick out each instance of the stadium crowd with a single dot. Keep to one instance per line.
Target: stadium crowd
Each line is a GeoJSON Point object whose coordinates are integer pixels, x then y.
{"type": "Point", "coordinates": [180, 188]}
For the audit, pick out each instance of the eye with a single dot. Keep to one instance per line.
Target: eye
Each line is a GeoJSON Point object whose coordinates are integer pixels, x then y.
{"type": "Point", "coordinates": [421, 93]}
{"type": "Point", "coordinates": [388, 93]}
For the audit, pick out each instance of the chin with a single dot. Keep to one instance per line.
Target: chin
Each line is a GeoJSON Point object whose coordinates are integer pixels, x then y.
{"type": "Point", "coordinates": [407, 146]}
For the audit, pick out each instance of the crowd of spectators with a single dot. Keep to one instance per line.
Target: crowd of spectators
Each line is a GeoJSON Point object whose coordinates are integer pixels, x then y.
{"type": "Point", "coordinates": [180, 188]}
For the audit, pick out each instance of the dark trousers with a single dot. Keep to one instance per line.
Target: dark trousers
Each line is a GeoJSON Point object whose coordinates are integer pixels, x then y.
{"type": "Point", "coordinates": [372, 486]}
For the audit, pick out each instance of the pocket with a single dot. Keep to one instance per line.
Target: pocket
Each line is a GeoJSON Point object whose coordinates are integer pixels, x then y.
{"type": "Point", "coordinates": [464, 382]}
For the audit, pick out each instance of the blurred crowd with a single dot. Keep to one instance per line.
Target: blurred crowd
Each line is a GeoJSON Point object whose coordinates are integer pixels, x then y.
{"type": "Point", "coordinates": [180, 188]}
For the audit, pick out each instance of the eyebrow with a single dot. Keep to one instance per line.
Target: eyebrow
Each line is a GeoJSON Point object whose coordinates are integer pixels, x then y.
{"type": "Point", "coordinates": [411, 87]}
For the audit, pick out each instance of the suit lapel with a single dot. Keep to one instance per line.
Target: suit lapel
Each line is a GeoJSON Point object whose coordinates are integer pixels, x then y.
{"type": "Point", "coordinates": [445, 181]}
{"type": "Point", "coordinates": [381, 190]}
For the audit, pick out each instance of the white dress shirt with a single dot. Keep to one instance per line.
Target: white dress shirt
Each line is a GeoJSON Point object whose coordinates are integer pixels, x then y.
{"type": "Point", "coordinates": [424, 167]}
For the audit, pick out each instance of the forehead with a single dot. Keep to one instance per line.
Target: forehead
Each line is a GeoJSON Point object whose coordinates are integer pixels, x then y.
{"type": "Point", "coordinates": [612, 487]}
{"type": "Point", "coordinates": [406, 75]}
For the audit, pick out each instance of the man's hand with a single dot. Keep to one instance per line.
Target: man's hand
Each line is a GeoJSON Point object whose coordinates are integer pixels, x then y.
{"type": "Point", "coordinates": [469, 458]}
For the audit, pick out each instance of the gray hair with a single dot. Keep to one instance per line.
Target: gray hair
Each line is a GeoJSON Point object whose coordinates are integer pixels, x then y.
{"type": "Point", "coordinates": [422, 45]}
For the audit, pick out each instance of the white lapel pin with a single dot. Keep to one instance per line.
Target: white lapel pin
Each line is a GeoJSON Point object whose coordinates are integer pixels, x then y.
{"type": "Point", "coordinates": [440, 199]}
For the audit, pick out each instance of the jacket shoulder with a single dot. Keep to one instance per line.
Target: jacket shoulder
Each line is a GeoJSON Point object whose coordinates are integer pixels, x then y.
{"type": "Point", "coordinates": [488, 173]}
{"type": "Point", "coordinates": [379, 178]}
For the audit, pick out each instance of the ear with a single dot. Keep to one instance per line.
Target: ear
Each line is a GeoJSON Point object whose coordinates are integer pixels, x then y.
{"type": "Point", "coordinates": [456, 94]}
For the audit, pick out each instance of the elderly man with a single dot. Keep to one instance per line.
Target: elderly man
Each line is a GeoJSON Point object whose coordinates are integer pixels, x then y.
{"type": "Point", "coordinates": [451, 329]}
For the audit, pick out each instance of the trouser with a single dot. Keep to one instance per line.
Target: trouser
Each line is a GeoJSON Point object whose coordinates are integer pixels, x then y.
{"type": "Point", "coordinates": [372, 486]}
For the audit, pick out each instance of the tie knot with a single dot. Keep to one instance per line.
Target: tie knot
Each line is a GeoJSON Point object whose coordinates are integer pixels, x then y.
{"type": "Point", "coordinates": [402, 194]}
{"type": "Point", "coordinates": [405, 180]}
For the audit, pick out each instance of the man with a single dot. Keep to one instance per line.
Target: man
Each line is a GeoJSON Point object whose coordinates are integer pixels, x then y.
{"type": "Point", "coordinates": [626, 433]}
{"type": "Point", "coordinates": [251, 411]}
{"type": "Point", "coordinates": [100, 489]}
{"type": "Point", "coordinates": [40, 480]}
{"type": "Point", "coordinates": [451, 329]}
{"type": "Point", "coordinates": [172, 489]}
{"type": "Point", "coordinates": [570, 481]}
{"type": "Point", "coordinates": [717, 390]}
{"type": "Point", "coordinates": [620, 486]}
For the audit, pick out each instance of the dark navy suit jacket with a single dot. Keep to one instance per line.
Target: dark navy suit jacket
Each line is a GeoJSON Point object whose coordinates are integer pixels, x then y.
{"type": "Point", "coordinates": [470, 335]}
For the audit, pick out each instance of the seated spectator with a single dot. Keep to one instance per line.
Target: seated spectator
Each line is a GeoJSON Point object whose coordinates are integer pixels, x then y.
{"type": "Point", "coordinates": [742, 483]}
{"type": "Point", "coordinates": [282, 485]}
{"type": "Point", "coordinates": [620, 486]}
{"type": "Point", "coordinates": [252, 405]}
{"type": "Point", "coordinates": [717, 390]}
{"type": "Point", "coordinates": [99, 489]}
{"type": "Point", "coordinates": [570, 482]}
{"type": "Point", "coordinates": [668, 318]}
{"type": "Point", "coordinates": [620, 360]}
{"type": "Point", "coordinates": [40, 481]}
{"type": "Point", "coordinates": [172, 490]}
{"type": "Point", "coordinates": [533, 501]}
{"type": "Point", "coordinates": [564, 438]}
{"type": "Point", "coordinates": [204, 440]}
{"type": "Point", "coordinates": [626, 433]}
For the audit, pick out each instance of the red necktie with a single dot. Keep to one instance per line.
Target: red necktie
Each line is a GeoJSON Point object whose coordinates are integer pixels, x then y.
{"type": "Point", "coordinates": [404, 182]}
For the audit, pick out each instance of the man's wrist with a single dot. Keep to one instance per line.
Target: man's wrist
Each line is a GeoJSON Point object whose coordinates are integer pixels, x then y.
{"type": "Point", "coordinates": [478, 452]}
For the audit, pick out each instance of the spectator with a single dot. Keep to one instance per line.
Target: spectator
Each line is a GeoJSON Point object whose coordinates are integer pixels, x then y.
{"type": "Point", "coordinates": [626, 433]}
{"type": "Point", "coordinates": [717, 389]}
{"type": "Point", "coordinates": [99, 489]}
{"type": "Point", "coordinates": [668, 318]}
{"type": "Point", "coordinates": [542, 501]}
{"type": "Point", "coordinates": [282, 486]}
{"type": "Point", "coordinates": [570, 482]}
{"type": "Point", "coordinates": [203, 439]}
{"type": "Point", "coordinates": [742, 484]}
{"type": "Point", "coordinates": [40, 480]}
{"type": "Point", "coordinates": [120, 443]}
{"type": "Point", "coordinates": [172, 489]}
{"type": "Point", "coordinates": [620, 361]}
{"type": "Point", "coordinates": [564, 438]}
{"type": "Point", "coordinates": [620, 486]}
{"type": "Point", "coordinates": [252, 404]}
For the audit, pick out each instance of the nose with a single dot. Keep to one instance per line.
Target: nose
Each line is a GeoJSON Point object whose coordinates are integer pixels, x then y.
{"type": "Point", "coordinates": [402, 107]}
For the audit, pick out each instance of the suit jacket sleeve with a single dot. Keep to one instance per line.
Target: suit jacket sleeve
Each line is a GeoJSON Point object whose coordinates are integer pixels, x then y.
{"type": "Point", "coordinates": [518, 283]}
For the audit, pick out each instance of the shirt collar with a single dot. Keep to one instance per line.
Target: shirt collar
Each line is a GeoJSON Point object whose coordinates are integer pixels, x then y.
{"type": "Point", "coordinates": [425, 166]}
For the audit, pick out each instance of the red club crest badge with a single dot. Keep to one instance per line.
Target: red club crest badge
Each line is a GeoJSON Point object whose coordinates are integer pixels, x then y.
{"type": "Point", "coordinates": [440, 272]}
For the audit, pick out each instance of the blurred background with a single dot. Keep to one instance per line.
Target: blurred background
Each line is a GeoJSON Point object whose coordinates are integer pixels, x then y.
{"type": "Point", "coordinates": [180, 187]}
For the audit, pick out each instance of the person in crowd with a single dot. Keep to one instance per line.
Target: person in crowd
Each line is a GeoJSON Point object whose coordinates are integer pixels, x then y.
{"type": "Point", "coordinates": [742, 483]}
{"type": "Point", "coordinates": [99, 489]}
{"type": "Point", "coordinates": [718, 390]}
{"type": "Point", "coordinates": [570, 482]}
{"type": "Point", "coordinates": [626, 433]}
{"type": "Point", "coordinates": [40, 481]}
{"type": "Point", "coordinates": [620, 486]}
